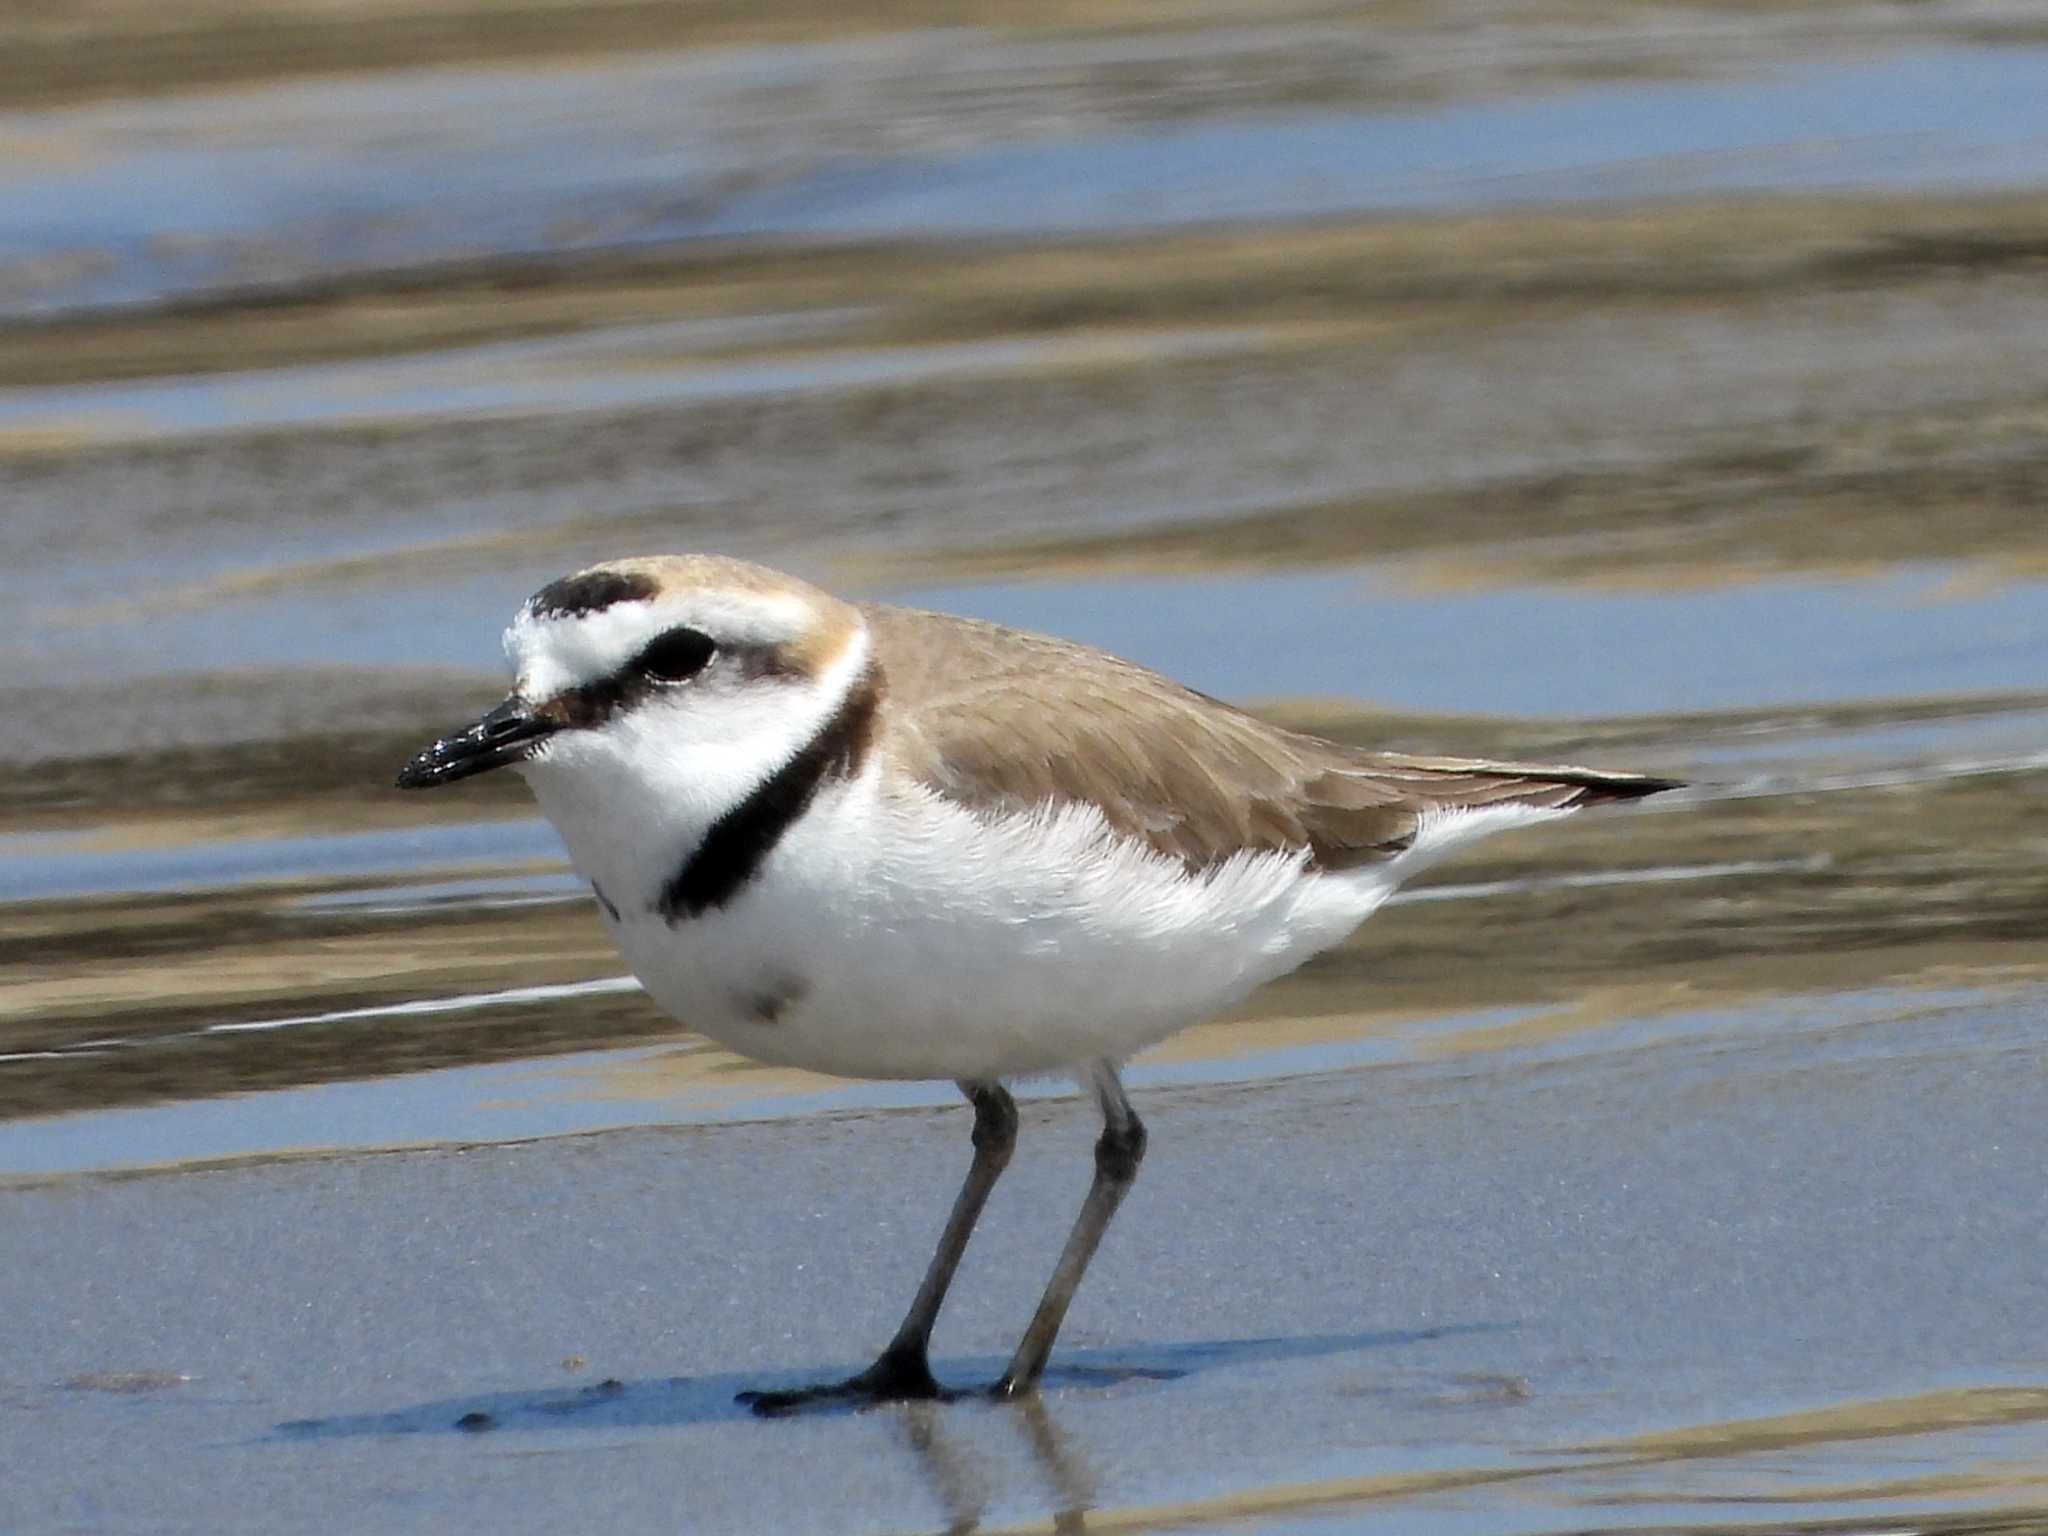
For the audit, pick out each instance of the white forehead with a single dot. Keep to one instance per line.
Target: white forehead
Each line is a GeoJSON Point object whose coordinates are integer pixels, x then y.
{"type": "Point", "coordinates": [551, 652]}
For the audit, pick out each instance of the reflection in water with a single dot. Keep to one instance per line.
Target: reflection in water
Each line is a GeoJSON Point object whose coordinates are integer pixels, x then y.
{"type": "Point", "coordinates": [956, 1479]}
{"type": "Point", "coordinates": [961, 1480]}
{"type": "Point", "coordinates": [966, 1469]}
{"type": "Point", "coordinates": [1072, 1486]}
{"type": "Point", "coordinates": [961, 1484]}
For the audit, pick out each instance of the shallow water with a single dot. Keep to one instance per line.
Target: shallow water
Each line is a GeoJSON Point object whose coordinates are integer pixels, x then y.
{"type": "Point", "coordinates": [1677, 1169]}
{"type": "Point", "coordinates": [140, 203]}
{"type": "Point", "coordinates": [1339, 634]}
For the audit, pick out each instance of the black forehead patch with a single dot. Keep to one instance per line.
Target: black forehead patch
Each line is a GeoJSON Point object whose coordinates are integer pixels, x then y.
{"type": "Point", "coordinates": [588, 592]}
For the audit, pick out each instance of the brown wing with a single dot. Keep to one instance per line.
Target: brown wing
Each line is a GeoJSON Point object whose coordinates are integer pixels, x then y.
{"type": "Point", "coordinates": [1000, 719]}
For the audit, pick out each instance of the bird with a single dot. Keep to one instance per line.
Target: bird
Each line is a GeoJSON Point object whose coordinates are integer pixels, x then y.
{"type": "Point", "coordinates": [886, 843]}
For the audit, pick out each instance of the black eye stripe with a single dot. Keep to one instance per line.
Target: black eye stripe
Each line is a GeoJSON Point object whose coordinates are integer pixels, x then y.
{"type": "Point", "coordinates": [675, 656]}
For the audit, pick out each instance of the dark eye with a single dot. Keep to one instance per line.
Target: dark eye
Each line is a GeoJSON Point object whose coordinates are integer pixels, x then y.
{"type": "Point", "coordinates": [676, 656]}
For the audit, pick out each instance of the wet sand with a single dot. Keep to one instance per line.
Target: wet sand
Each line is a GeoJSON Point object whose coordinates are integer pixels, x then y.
{"type": "Point", "coordinates": [130, 48]}
{"type": "Point", "coordinates": [1659, 395]}
{"type": "Point", "coordinates": [1751, 1272]}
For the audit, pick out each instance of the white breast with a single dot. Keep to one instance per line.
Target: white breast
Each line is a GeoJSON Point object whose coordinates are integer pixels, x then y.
{"type": "Point", "coordinates": [897, 935]}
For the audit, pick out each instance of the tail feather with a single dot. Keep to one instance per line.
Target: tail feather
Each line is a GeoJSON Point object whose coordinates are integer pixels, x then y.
{"type": "Point", "coordinates": [1453, 783]}
{"type": "Point", "coordinates": [1383, 805]}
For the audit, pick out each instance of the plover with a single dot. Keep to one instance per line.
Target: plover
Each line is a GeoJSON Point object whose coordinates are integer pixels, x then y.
{"type": "Point", "coordinates": [885, 843]}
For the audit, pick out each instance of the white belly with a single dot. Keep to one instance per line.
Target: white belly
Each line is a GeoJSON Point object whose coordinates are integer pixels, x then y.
{"type": "Point", "coordinates": [900, 937]}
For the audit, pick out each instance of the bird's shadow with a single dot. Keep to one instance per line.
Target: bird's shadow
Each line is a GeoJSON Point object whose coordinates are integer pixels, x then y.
{"type": "Point", "coordinates": [681, 1401]}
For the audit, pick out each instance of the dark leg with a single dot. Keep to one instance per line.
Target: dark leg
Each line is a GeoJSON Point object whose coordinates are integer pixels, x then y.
{"type": "Point", "coordinates": [1117, 1156]}
{"type": "Point", "coordinates": [904, 1370]}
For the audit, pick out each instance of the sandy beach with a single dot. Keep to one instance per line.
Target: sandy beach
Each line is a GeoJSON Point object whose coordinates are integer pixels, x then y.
{"type": "Point", "coordinates": [1549, 382]}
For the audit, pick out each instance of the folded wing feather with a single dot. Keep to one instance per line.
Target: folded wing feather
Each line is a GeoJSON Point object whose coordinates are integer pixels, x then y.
{"type": "Point", "coordinates": [1003, 720]}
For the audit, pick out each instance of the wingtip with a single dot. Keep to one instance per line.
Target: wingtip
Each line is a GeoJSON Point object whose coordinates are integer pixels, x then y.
{"type": "Point", "coordinates": [1610, 789]}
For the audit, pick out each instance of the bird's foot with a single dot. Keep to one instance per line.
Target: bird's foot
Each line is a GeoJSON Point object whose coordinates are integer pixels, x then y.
{"type": "Point", "coordinates": [899, 1376]}
{"type": "Point", "coordinates": [1011, 1388]}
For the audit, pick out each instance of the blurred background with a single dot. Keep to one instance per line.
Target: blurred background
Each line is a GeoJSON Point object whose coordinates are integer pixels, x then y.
{"type": "Point", "coordinates": [1662, 386]}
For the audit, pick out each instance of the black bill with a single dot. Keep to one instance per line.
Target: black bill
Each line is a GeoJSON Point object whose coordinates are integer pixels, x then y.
{"type": "Point", "coordinates": [503, 736]}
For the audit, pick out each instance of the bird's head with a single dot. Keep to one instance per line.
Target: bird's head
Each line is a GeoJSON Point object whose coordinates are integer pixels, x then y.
{"type": "Point", "coordinates": [683, 668]}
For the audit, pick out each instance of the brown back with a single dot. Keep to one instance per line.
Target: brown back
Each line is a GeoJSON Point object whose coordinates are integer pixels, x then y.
{"type": "Point", "coordinates": [1001, 719]}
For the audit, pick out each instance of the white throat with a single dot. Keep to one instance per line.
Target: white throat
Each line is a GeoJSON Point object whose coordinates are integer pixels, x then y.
{"type": "Point", "coordinates": [633, 798]}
